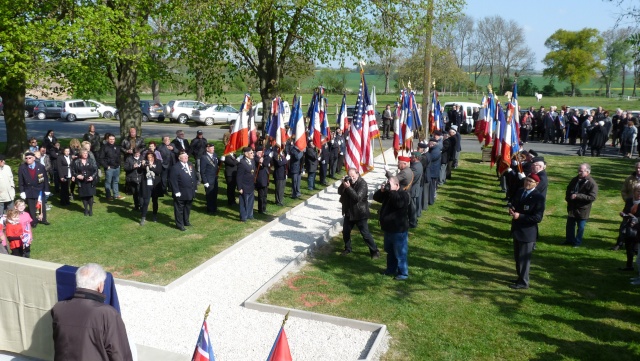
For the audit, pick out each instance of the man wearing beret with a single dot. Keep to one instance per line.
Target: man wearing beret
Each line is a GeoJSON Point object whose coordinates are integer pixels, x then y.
{"type": "Point", "coordinates": [416, 189]}
{"type": "Point", "coordinates": [435, 154]}
{"type": "Point", "coordinates": [526, 211]}
{"type": "Point", "coordinates": [263, 162]}
{"type": "Point", "coordinates": [405, 175]}
{"type": "Point", "coordinates": [34, 183]}
{"type": "Point", "coordinates": [539, 167]}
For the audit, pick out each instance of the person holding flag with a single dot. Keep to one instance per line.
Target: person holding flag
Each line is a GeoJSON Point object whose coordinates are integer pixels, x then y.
{"type": "Point", "coordinates": [34, 185]}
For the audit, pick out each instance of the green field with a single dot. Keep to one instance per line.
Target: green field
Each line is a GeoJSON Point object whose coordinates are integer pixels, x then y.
{"type": "Point", "coordinates": [456, 304]}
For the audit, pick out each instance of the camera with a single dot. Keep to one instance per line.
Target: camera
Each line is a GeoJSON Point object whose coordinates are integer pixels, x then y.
{"type": "Point", "coordinates": [346, 179]}
{"type": "Point", "coordinates": [387, 187]}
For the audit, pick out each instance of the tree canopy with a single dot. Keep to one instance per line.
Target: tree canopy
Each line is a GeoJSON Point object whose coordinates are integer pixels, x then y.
{"type": "Point", "coordinates": [574, 56]}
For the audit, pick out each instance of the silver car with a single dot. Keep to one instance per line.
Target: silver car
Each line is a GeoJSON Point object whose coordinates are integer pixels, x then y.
{"type": "Point", "coordinates": [214, 113]}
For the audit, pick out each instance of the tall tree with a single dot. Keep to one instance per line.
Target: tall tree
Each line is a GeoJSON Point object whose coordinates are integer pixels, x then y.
{"type": "Point", "coordinates": [28, 29]}
{"type": "Point", "coordinates": [110, 39]}
{"type": "Point", "coordinates": [574, 56]}
{"type": "Point", "coordinates": [616, 56]}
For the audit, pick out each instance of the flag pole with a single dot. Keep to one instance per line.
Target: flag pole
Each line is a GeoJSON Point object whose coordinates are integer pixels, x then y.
{"type": "Point", "coordinates": [286, 317]}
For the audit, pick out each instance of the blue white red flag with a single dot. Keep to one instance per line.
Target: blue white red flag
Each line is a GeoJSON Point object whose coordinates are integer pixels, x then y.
{"type": "Point", "coordinates": [276, 129]}
{"type": "Point", "coordinates": [343, 119]}
{"type": "Point", "coordinates": [296, 125]}
{"type": "Point", "coordinates": [204, 350]}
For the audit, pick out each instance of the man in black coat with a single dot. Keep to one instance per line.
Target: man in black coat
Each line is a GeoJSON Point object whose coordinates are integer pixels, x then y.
{"type": "Point", "coordinates": [526, 211]}
{"type": "Point", "coordinates": [198, 148]}
{"type": "Point", "coordinates": [168, 160]}
{"type": "Point", "coordinates": [435, 156]}
{"type": "Point", "coordinates": [294, 156]}
{"type": "Point", "coordinates": [538, 166]}
{"type": "Point", "coordinates": [279, 174]}
{"type": "Point", "coordinates": [263, 162]}
{"type": "Point", "coordinates": [336, 149]}
{"type": "Point", "coordinates": [311, 165]}
{"type": "Point", "coordinates": [231, 177]}
{"type": "Point", "coordinates": [580, 195]}
{"type": "Point", "coordinates": [246, 183]}
{"type": "Point", "coordinates": [134, 168]}
{"type": "Point", "coordinates": [394, 221]}
{"type": "Point", "coordinates": [131, 143]}
{"type": "Point", "coordinates": [209, 167]}
{"type": "Point", "coordinates": [183, 182]}
{"type": "Point", "coordinates": [323, 160]}
{"type": "Point", "coordinates": [180, 144]}
{"type": "Point", "coordinates": [110, 160]}
{"type": "Point", "coordinates": [426, 175]}
{"type": "Point", "coordinates": [34, 183]}
{"type": "Point", "coordinates": [354, 196]}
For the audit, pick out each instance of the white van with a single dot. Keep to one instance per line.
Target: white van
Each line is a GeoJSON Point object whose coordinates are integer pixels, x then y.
{"type": "Point", "coordinates": [257, 110]}
{"type": "Point", "coordinates": [468, 111]}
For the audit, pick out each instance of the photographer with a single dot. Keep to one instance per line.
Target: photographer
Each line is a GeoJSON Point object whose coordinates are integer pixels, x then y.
{"type": "Point", "coordinates": [134, 169]}
{"type": "Point", "coordinates": [629, 227]}
{"type": "Point", "coordinates": [355, 208]}
{"type": "Point", "coordinates": [394, 221]}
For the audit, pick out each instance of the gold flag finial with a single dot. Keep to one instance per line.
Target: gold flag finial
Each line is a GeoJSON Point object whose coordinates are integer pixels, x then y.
{"type": "Point", "coordinates": [286, 317]}
{"type": "Point", "coordinates": [206, 313]}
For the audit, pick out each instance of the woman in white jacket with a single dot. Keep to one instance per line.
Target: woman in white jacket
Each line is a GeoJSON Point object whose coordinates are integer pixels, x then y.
{"type": "Point", "coordinates": [7, 187]}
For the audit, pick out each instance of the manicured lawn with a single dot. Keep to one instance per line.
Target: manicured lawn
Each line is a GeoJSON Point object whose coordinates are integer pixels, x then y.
{"type": "Point", "coordinates": [156, 252]}
{"type": "Point", "coordinates": [456, 304]}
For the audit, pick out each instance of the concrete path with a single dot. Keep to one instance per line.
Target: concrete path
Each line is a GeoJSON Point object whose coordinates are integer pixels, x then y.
{"type": "Point", "coordinates": [169, 318]}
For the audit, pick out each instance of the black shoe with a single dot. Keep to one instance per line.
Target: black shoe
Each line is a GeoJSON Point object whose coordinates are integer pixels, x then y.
{"type": "Point", "coordinates": [615, 248]}
{"type": "Point", "coordinates": [345, 252]}
{"type": "Point", "coordinates": [188, 224]}
{"type": "Point", "coordinates": [155, 218]}
{"type": "Point", "coordinates": [182, 229]}
{"type": "Point", "coordinates": [45, 223]}
{"type": "Point", "coordinates": [518, 286]}
{"type": "Point", "coordinates": [626, 269]}
{"type": "Point", "coordinates": [375, 255]}
{"type": "Point", "coordinates": [566, 243]}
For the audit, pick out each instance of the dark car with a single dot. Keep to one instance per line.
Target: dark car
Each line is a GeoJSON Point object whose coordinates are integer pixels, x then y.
{"type": "Point", "coordinates": [150, 111]}
{"type": "Point", "coordinates": [29, 103]}
{"type": "Point", "coordinates": [351, 109]}
{"type": "Point", "coordinates": [48, 109]}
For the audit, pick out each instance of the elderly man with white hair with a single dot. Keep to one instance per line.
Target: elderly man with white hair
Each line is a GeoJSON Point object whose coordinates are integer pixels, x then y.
{"type": "Point", "coordinates": [84, 327]}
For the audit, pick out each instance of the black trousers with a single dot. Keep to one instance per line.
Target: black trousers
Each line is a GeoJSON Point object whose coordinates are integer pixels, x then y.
{"type": "Point", "coordinates": [64, 192]}
{"type": "Point", "coordinates": [231, 190]}
{"type": "Point", "coordinates": [280, 183]}
{"type": "Point", "coordinates": [522, 252]}
{"type": "Point", "coordinates": [31, 204]}
{"type": "Point", "coordinates": [144, 205]}
{"type": "Point", "coordinates": [181, 211]}
{"type": "Point", "coordinates": [262, 199]}
{"type": "Point", "coordinates": [211, 193]}
{"type": "Point", "coordinates": [433, 186]}
{"type": "Point", "coordinates": [135, 191]}
{"type": "Point", "coordinates": [363, 227]}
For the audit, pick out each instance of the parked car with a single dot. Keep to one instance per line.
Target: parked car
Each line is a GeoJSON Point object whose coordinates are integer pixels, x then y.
{"type": "Point", "coordinates": [105, 111]}
{"type": "Point", "coordinates": [149, 110]}
{"type": "Point", "coordinates": [48, 109]}
{"type": "Point", "coordinates": [468, 111]}
{"type": "Point", "coordinates": [181, 110]}
{"type": "Point", "coordinates": [351, 110]}
{"type": "Point", "coordinates": [29, 103]}
{"type": "Point", "coordinates": [214, 113]}
{"type": "Point", "coordinates": [79, 109]}
{"type": "Point", "coordinates": [257, 110]}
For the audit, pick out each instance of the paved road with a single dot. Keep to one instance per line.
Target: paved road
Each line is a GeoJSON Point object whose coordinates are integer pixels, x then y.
{"type": "Point", "coordinates": [64, 129]}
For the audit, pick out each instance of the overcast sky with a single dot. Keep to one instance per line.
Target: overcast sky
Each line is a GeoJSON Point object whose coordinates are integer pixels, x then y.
{"type": "Point", "coordinates": [540, 19]}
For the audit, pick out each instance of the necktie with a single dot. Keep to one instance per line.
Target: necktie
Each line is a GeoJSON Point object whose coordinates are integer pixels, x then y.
{"type": "Point", "coordinates": [524, 195]}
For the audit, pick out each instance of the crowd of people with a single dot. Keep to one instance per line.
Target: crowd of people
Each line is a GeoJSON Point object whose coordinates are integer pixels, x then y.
{"type": "Point", "coordinates": [591, 127]}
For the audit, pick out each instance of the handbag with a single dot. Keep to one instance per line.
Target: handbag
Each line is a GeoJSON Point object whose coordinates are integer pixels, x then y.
{"type": "Point", "coordinates": [627, 230]}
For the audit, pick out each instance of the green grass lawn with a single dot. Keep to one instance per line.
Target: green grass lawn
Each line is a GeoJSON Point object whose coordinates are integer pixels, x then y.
{"type": "Point", "coordinates": [456, 304]}
{"type": "Point", "coordinates": [156, 252]}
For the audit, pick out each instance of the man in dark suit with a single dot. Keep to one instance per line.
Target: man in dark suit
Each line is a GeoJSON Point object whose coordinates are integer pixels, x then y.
{"type": "Point", "coordinates": [231, 177]}
{"type": "Point", "coordinates": [538, 166]}
{"type": "Point", "coordinates": [435, 156]}
{"type": "Point", "coordinates": [180, 144]}
{"type": "Point", "coordinates": [526, 211]}
{"type": "Point", "coordinates": [294, 156]}
{"type": "Point", "coordinates": [311, 164]}
{"type": "Point", "coordinates": [246, 183]}
{"type": "Point", "coordinates": [263, 162]}
{"type": "Point", "coordinates": [168, 160]}
{"type": "Point", "coordinates": [279, 174]}
{"type": "Point", "coordinates": [183, 183]}
{"type": "Point", "coordinates": [323, 160]}
{"type": "Point", "coordinates": [34, 183]}
{"type": "Point", "coordinates": [209, 167]}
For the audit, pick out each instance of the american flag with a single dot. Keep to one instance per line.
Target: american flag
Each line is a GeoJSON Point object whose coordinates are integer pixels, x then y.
{"type": "Point", "coordinates": [363, 128]}
{"type": "Point", "coordinates": [203, 351]}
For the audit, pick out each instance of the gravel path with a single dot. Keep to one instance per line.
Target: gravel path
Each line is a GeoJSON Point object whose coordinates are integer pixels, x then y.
{"type": "Point", "coordinates": [171, 320]}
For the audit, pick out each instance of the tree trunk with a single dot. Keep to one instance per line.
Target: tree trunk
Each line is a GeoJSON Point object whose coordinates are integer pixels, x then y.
{"type": "Point", "coordinates": [199, 86]}
{"type": "Point", "coordinates": [127, 98]}
{"type": "Point", "coordinates": [387, 76]}
{"type": "Point", "coordinates": [13, 99]}
{"type": "Point", "coordinates": [624, 76]}
{"type": "Point", "coordinates": [155, 90]}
